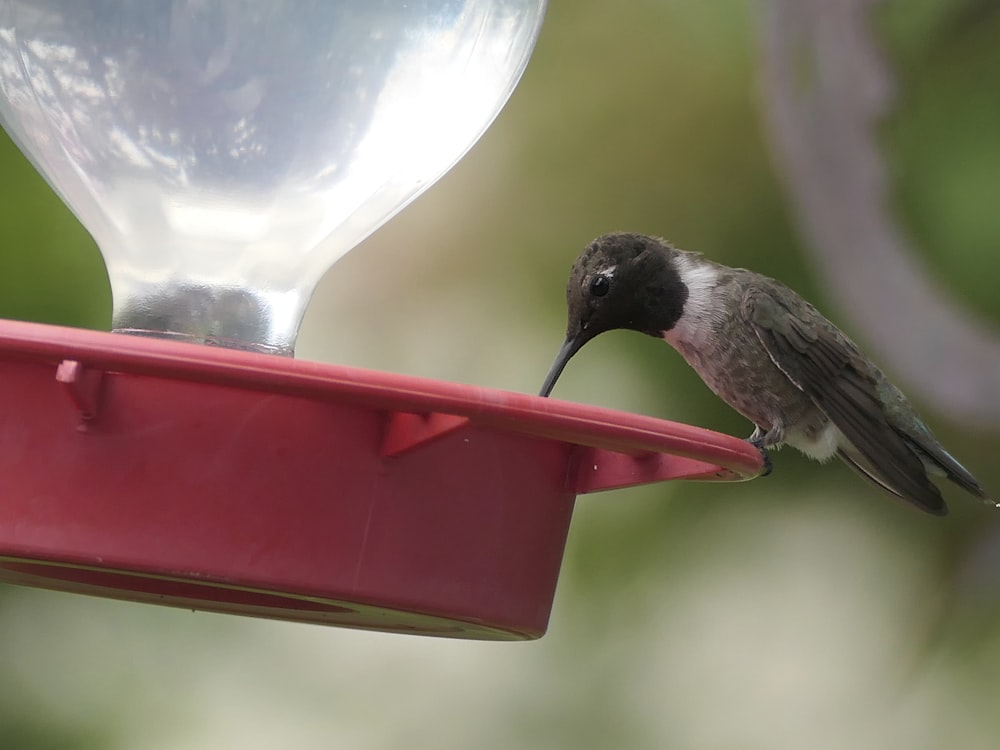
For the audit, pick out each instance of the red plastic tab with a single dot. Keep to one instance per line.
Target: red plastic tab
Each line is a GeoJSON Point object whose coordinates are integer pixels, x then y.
{"type": "Point", "coordinates": [404, 431]}
{"type": "Point", "coordinates": [83, 386]}
{"type": "Point", "coordinates": [596, 470]}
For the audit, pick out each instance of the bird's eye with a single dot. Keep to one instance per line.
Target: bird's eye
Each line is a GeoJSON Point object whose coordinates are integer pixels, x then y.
{"type": "Point", "coordinates": [599, 286]}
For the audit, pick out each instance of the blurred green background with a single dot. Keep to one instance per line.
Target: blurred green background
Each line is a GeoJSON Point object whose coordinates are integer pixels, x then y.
{"type": "Point", "coordinates": [804, 610]}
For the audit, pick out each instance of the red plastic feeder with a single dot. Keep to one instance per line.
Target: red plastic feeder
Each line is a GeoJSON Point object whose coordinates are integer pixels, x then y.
{"type": "Point", "coordinates": [228, 481]}
{"type": "Point", "coordinates": [223, 161]}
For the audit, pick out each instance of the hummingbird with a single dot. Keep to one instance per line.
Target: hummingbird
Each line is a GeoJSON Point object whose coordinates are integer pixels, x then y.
{"type": "Point", "coordinates": [766, 352]}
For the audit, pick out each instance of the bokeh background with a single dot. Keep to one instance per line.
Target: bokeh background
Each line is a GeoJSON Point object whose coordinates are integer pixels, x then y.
{"type": "Point", "coordinates": [804, 610]}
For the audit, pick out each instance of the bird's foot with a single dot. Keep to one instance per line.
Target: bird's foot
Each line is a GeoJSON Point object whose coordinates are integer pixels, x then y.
{"type": "Point", "coordinates": [757, 441]}
{"type": "Point", "coordinates": [768, 466]}
{"type": "Point", "coordinates": [761, 440]}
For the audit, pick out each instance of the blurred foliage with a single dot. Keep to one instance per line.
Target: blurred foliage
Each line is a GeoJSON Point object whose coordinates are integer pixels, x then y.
{"type": "Point", "coordinates": [947, 57]}
{"type": "Point", "coordinates": [645, 118]}
{"type": "Point", "coordinates": [50, 268]}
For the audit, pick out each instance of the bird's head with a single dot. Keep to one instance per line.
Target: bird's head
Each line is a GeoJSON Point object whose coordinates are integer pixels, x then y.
{"type": "Point", "coordinates": [620, 280]}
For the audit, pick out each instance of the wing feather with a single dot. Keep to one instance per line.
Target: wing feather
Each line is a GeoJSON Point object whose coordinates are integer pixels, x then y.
{"type": "Point", "coordinates": [825, 365]}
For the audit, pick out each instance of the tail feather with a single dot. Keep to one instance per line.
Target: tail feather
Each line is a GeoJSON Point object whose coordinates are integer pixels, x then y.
{"type": "Point", "coordinates": [936, 457]}
{"type": "Point", "coordinates": [921, 492]}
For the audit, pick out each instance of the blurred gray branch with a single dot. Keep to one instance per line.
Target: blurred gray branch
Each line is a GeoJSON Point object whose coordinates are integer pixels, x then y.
{"type": "Point", "coordinates": [826, 86]}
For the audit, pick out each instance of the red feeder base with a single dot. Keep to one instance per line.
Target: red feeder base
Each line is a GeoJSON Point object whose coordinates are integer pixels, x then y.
{"type": "Point", "coordinates": [228, 481]}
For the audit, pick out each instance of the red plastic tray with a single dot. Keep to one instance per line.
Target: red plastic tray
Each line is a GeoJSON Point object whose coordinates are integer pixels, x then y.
{"type": "Point", "coordinates": [228, 481]}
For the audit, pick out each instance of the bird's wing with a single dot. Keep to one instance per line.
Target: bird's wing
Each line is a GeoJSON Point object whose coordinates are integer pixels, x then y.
{"type": "Point", "coordinates": [825, 365]}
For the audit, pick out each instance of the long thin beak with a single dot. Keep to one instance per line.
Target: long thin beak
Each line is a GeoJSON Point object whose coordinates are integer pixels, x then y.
{"type": "Point", "coordinates": [570, 347]}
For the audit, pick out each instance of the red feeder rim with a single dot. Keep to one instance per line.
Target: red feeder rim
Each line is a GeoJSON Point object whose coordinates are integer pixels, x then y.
{"type": "Point", "coordinates": [229, 481]}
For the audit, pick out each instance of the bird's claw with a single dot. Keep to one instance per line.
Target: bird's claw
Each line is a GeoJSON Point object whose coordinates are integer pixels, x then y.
{"type": "Point", "coordinates": [756, 442]}
{"type": "Point", "coordinates": [768, 466]}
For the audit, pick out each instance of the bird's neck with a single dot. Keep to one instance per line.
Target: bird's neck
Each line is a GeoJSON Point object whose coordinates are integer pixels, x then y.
{"type": "Point", "coordinates": [700, 276]}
